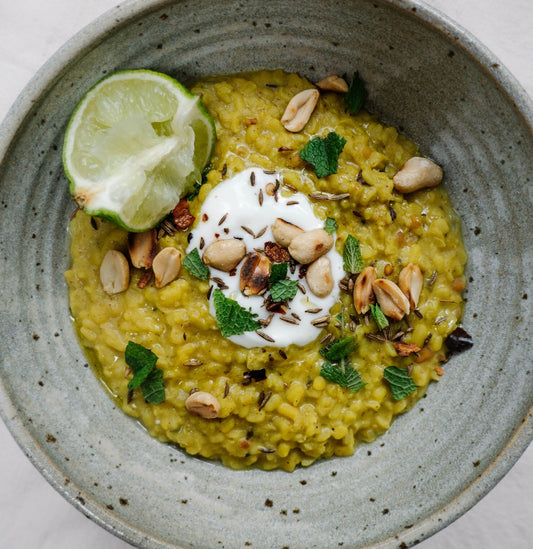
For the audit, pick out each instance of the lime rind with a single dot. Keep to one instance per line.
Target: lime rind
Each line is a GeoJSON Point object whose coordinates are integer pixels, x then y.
{"type": "Point", "coordinates": [135, 144]}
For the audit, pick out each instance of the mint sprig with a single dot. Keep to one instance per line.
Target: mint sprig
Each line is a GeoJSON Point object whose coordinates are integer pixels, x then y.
{"type": "Point", "coordinates": [284, 290]}
{"type": "Point", "coordinates": [323, 153]}
{"type": "Point", "coordinates": [330, 226]}
{"type": "Point", "coordinates": [231, 317]}
{"type": "Point", "coordinates": [351, 255]}
{"type": "Point", "coordinates": [400, 383]}
{"type": "Point", "coordinates": [278, 272]}
{"type": "Point", "coordinates": [339, 349]}
{"type": "Point", "coordinates": [344, 374]}
{"type": "Point", "coordinates": [379, 316]}
{"type": "Point", "coordinates": [194, 264]}
{"type": "Point", "coordinates": [142, 361]}
{"type": "Point", "coordinates": [356, 95]}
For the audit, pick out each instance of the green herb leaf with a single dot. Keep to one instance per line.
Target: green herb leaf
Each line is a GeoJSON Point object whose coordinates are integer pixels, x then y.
{"type": "Point", "coordinates": [231, 317]}
{"type": "Point", "coordinates": [331, 225]}
{"type": "Point", "coordinates": [197, 186]}
{"type": "Point", "coordinates": [356, 96]}
{"type": "Point", "coordinates": [353, 261]}
{"type": "Point", "coordinates": [153, 388]}
{"type": "Point", "coordinates": [339, 349]}
{"type": "Point", "coordinates": [278, 272]}
{"type": "Point", "coordinates": [400, 383]}
{"type": "Point", "coordinates": [323, 153]}
{"type": "Point", "coordinates": [379, 316]}
{"type": "Point", "coordinates": [141, 360]}
{"type": "Point", "coordinates": [344, 375]}
{"type": "Point", "coordinates": [194, 264]}
{"type": "Point", "coordinates": [284, 289]}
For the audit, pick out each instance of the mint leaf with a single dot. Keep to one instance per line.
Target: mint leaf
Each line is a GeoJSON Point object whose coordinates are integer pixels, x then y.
{"type": "Point", "coordinates": [323, 153]}
{"type": "Point", "coordinates": [283, 290]}
{"type": "Point", "coordinates": [400, 383]}
{"type": "Point", "coordinates": [339, 349]}
{"type": "Point", "coordinates": [142, 362]}
{"type": "Point", "coordinates": [379, 316]}
{"type": "Point", "coordinates": [278, 272]}
{"type": "Point", "coordinates": [231, 317]}
{"type": "Point", "coordinates": [356, 95]}
{"type": "Point", "coordinates": [344, 375]}
{"type": "Point", "coordinates": [153, 388]}
{"type": "Point", "coordinates": [194, 264]}
{"type": "Point", "coordinates": [353, 261]}
{"type": "Point", "coordinates": [331, 225]}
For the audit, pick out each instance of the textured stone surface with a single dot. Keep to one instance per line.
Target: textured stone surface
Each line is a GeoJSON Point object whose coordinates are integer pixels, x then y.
{"type": "Point", "coordinates": [486, 418]}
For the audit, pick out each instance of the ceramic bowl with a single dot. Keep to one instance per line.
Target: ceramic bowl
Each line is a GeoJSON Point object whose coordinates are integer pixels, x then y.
{"type": "Point", "coordinates": [426, 77]}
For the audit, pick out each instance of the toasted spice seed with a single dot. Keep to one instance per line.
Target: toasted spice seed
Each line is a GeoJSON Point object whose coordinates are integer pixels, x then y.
{"type": "Point", "coordinates": [289, 320]}
{"type": "Point", "coordinates": [224, 169]}
{"type": "Point", "coordinates": [292, 202]}
{"type": "Point", "coordinates": [223, 218]}
{"type": "Point", "coordinates": [427, 340]}
{"type": "Point", "coordinates": [218, 281]}
{"type": "Point", "coordinates": [260, 197]}
{"type": "Point", "coordinates": [202, 243]}
{"type": "Point", "coordinates": [167, 227]}
{"type": "Point", "coordinates": [249, 231]}
{"type": "Point", "coordinates": [360, 178]}
{"type": "Point", "coordinates": [296, 316]}
{"type": "Point", "coordinates": [290, 187]}
{"type": "Point", "coordinates": [302, 289]}
{"type": "Point", "coordinates": [226, 390]}
{"type": "Point", "coordinates": [285, 149]}
{"type": "Point", "coordinates": [261, 232]}
{"type": "Point", "coordinates": [321, 320]}
{"type": "Point", "coordinates": [254, 375]}
{"type": "Point", "coordinates": [264, 336]}
{"type": "Point", "coordinates": [209, 292]}
{"type": "Point", "coordinates": [193, 390]}
{"type": "Point", "coordinates": [440, 320]}
{"type": "Point", "coordinates": [282, 354]}
{"type": "Point", "coordinates": [94, 225]}
{"type": "Point", "coordinates": [313, 311]}
{"type": "Point", "coordinates": [263, 399]}
{"type": "Point", "coordinates": [392, 212]}
{"type": "Point", "coordinates": [418, 313]}
{"type": "Point", "coordinates": [433, 278]}
{"type": "Point", "coordinates": [376, 337]}
{"type": "Point", "coordinates": [130, 396]}
{"type": "Point", "coordinates": [252, 179]}
{"type": "Point", "coordinates": [145, 278]}
{"type": "Point", "coordinates": [329, 337]}
{"type": "Point", "coordinates": [193, 362]}
{"type": "Point", "coordinates": [398, 335]}
{"type": "Point", "coordinates": [269, 172]}
{"type": "Point", "coordinates": [353, 326]}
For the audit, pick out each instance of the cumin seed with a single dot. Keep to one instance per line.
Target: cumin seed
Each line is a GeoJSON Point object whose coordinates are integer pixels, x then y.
{"type": "Point", "coordinates": [321, 320]}
{"type": "Point", "coordinates": [289, 320]}
{"type": "Point", "coordinates": [209, 292]}
{"type": "Point", "coordinates": [285, 149]}
{"type": "Point", "coordinates": [249, 231]}
{"type": "Point", "coordinates": [418, 313]}
{"type": "Point", "coordinates": [433, 278]}
{"type": "Point", "coordinates": [296, 316]}
{"type": "Point", "coordinates": [223, 218]}
{"type": "Point", "coordinates": [193, 362]}
{"type": "Point", "coordinates": [328, 338]}
{"type": "Point", "coordinates": [353, 326]}
{"type": "Point", "coordinates": [292, 202]}
{"type": "Point", "coordinates": [440, 320]}
{"type": "Point", "coordinates": [202, 243]}
{"type": "Point", "coordinates": [282, 354]}
{"type": "Point", "coordinates": [313, 311]}
{"type": "Point", "coordinates": [252, 179]}
{"type": "Point", "coordinates": [269, 172]}
{"type": "Point", "coordinates": [224, 169]}
{"type": "Point", "coordinates": [261, 232]}
{"type": "Point", "coordinates": [264, 336]}
{"type": "Point", "coordinates": [376, 337]}
{"type": "Point", "coordinates": [226, 390]}
{"type": "Point", "coordinates": [302, 289]}
{"type": "Point", "coordinates": [260, 197]}
{"type": "Point", "coordinates": [290, 187]}
{"type": "Point", "coordinates": [263, 399]}
{"type": "Point", "coordinates": [428, 339]}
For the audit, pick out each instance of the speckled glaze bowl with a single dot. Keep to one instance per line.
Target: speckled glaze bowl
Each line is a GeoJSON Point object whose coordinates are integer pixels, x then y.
{"type": "Point", "coordinates": [425, 76]}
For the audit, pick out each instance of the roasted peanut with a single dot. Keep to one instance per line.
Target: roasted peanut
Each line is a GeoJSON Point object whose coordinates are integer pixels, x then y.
{"type": "Point", "coordinates": [224, 254]}
{"type": "Point", "coordinates": [283, 231]}
{"type": "Point", "coordinates": [166, 266]}
{"type": "Point", "coordinates": [410, 282]}
{"type": "Point", "coordinates": [390, 298]}
{"type": "Point", "coordinates": [309, 246]}
{"type": "Point", "coordinates": [299, 110]}
{"type": "Point", "coordinates": [255, 272]}
{"type": "Point", "coordinates": [417, 173]}
{"type": "Point", "coordinates": [363, 293]}
{"type": "Point", "coordinates": [142, 248]}
{"type": "Point", "coordinates": [203, 404]}
{"type": "Point", "coordinates": [319, 277]}
{"type": "Point", "coordinates": [333, 83]}
{"type": "Point", "coordinates": [114, 272]}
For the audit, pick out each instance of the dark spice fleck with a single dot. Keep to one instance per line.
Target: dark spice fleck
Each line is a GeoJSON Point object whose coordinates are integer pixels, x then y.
{"type": "Point", "coordinates": [392, 212]}
{"type": "Point", "coordinates": [268, 503]}
{"type": "Point", "coordinates": [254, 375]}
{"type": "Point", "coordinates": [224, 170]}
{"type": "Point", "coordinates": [123, 501]}
{"type": "Point", "coordinates": [94, 225]}
{"type": "Point", "coordinates": [226, 389]}
{"type": "Point", "coordinates": [282, 354]}
{"type": "Point", "coordinates": [459, 340]}
{"type": "Point", "coordinates": [50, 438]}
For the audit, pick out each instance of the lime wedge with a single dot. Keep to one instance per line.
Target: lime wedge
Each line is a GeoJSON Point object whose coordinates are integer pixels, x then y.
{"type": "Point", "coordinates": [135, 144]}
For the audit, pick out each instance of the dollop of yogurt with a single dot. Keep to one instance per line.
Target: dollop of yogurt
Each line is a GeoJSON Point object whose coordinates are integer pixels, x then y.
{"type": "Point", "coordinates": [240, 207]}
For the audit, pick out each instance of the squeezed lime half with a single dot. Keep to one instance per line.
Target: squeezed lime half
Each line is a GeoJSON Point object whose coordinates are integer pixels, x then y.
{"type": "Point", "coordinates": [135, 144]}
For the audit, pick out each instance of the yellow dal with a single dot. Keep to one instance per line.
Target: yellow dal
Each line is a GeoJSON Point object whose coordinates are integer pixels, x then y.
{"type": "Point", "coordinates": [306, 417]}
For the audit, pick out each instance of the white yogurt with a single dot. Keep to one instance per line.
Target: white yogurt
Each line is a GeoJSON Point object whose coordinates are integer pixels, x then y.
{"type": "Point", "coordinates": [240, 200]}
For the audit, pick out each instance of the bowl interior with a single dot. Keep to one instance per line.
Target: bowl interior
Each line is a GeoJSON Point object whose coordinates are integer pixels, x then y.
{"type": "Point", "coordinates": [423, 76]}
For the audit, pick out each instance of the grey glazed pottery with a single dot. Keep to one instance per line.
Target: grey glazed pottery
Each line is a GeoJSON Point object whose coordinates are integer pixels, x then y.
{"type": "Point", "coordinates": [425, 76]}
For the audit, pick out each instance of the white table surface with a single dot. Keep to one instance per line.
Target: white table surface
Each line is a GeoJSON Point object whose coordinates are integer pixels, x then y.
{"type": "Point", "coordinates": [32, 514]}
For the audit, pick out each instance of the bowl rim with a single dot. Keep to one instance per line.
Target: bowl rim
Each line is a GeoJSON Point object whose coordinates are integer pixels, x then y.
{"type": "Point", "coordinates": [96, 32]}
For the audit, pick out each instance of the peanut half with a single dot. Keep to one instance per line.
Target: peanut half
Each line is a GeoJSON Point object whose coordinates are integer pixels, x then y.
{"type": "Point", "coordinates": [203, 404]}
{"type": "Point", "coordinates": [166, 266]}
{"type": "Point", "coordinates": [410, 282]}
{"type": "Point", "coordinates": [363, 293]}
{"type": "Point", "coordinates": [417, 173]}
{"type": "Point", "coordinates": [319, 277]}
{"type": "Point", "coordinates": [299, 110]}
{"type": "Point", "coordinates": [255, 272]}
{"type": "Point", "coordinates": [390, 298]}
{"type": "Point", "coordinates": [114, 272]}
{"type": "Point", "coordinates": [333, 83]}
{"type": "Point", "coordinates": [224, 254]}
{"type": "Point", "coordinates": [310, 245]}
{"type": "Point", "coordinates": [142, 248]}
{"type": "Point", "coordinates": [283, 232]}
